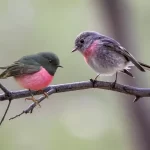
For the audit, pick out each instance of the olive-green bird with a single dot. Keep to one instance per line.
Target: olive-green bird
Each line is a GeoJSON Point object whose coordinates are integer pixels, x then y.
{"type": "Point", "coordinates": [33, 72]}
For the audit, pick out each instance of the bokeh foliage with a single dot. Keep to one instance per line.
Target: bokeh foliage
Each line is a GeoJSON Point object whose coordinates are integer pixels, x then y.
{"type": "Point", "coordinates": [82, 120]}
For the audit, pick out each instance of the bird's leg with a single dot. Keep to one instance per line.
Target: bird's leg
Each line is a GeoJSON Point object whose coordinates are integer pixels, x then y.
{"type": "Point", "coordinates": [95, 80]}
{"type": "Point", "coordinates": [33, 99]}
{"type": "Point", "coordinates": [114, 83]}
{"type": "Point", "coordinates": [45, 94]}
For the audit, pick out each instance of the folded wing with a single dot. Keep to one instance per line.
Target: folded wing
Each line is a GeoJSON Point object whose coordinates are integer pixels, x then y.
{"type": "Point", "coordinates": [115, 46]}
{"type": "Point", "coordinates": [18, 68]}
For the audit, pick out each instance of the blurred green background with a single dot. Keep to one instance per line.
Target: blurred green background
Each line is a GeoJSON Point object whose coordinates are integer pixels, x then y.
{"type": "Point", "coordinates": [82, 120]}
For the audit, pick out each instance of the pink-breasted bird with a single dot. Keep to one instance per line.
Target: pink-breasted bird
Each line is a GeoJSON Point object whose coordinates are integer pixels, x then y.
{"type": "Point", "coordinates": [105, 55]}
{"type": "Point", "coordinates": [33, 72]}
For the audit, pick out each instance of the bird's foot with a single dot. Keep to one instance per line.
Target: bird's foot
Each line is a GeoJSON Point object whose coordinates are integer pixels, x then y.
{"type": "Point", "coordinates": [34, 100]}
{"type": "Point", "coordinates": [114, 83]}
{"type": "Point", "coordinates": [93, 82]}
{"type": "Point", "coordinates": [45, 94]}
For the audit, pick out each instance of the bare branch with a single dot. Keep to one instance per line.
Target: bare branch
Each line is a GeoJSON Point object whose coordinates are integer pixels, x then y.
{"type": "Point", "coordinates": [4, 89]}
{"type": "Point", "coordinates": [130, 90]}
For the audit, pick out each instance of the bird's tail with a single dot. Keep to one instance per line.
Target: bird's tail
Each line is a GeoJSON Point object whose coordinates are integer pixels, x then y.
{"type": "Point", "coordinates": [145, 66]}
{"type": "Point", "coordinates": [3, 67]}
{"type": "Point", "coordinates": [5, 73]}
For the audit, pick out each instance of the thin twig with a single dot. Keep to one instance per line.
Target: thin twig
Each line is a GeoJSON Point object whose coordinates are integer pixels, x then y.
{"type": "Point", "coordinates": [32, 106]}
{"type": "Point", "coordinates": [3, 118]}
{"type": "Point", "coordinates": [8, 95]}
{"type": "Point", "coordinates": [17, 115]}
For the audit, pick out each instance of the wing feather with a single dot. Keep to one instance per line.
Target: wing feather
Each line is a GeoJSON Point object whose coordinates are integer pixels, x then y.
{"type": "Point", "coordinates": [115, 46]}
{"type": "Point", "coordinates": [18, 68]}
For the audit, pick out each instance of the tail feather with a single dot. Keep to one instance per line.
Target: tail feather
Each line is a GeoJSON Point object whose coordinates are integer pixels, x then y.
{"type": "Point", "coordinates": [145, 66]}
{"type": "Point", "coordinates": [5, 73]}
{"type": "Point", "coordinates": [3, 67]}
{"type": "Point", "coordinates": [125, 71]}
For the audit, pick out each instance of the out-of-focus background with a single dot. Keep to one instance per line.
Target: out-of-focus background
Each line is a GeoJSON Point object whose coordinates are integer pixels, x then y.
{"type": "Point", "coordinates": [84, 120]}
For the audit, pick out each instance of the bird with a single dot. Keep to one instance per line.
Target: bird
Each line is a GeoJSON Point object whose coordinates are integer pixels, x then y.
{"type": "Point", "coordinates": [105, 55]}
{"type": "Point", "coordinates": [33, 72]}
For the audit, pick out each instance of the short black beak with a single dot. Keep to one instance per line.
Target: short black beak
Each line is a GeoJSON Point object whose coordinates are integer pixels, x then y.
{"type": "Point", "coordinates": [60, 66]}
{"type": "Point", "coordinates": [75, 49]}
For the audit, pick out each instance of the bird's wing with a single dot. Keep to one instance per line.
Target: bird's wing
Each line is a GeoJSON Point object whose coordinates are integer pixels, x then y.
{"type": "Point", "coordinates": [18, 68]}
{"type": "Point", "coordinates": [115, 46]}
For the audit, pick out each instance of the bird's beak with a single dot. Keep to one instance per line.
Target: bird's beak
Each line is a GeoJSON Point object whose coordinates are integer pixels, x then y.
{"type": "Point", "coordinates": [60, 66]}
{"type": "Point", "coordinates": [75, 49]}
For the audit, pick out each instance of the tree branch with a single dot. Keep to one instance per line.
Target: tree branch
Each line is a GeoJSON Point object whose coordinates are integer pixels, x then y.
{"type": "Point", "coordinates": [129, 90]}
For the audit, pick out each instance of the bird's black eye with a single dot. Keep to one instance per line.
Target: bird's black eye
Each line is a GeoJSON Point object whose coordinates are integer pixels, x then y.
{"type": "Point", "coordinates": [81, 41]}
{"type": "Point", "coordinates": [50, 61]}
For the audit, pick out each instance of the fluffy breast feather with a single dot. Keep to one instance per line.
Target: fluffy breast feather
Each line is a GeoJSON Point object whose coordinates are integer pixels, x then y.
{"type": "Point", "coordinates": [36, 81]}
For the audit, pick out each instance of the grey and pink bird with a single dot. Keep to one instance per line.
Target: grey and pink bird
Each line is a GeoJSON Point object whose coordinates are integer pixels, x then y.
{"type": "Point", "coordinates": [105, 55]}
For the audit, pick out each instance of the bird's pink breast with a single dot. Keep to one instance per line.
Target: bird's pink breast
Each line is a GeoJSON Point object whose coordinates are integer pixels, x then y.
{"type": "Point", "coordinates": [90, 51]}
{"type": "Point", "coordinates": [36, 81]}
